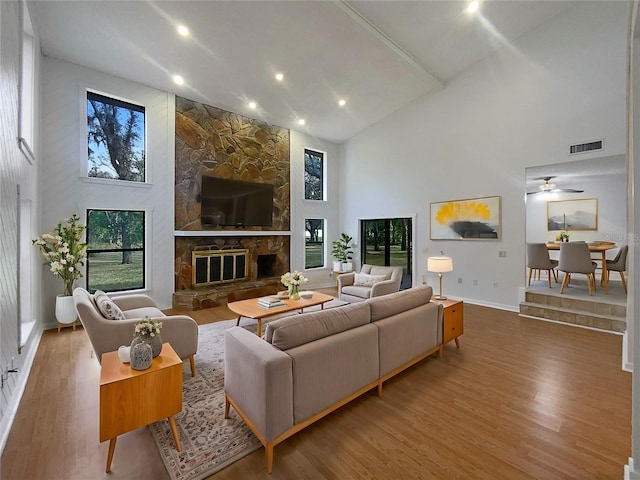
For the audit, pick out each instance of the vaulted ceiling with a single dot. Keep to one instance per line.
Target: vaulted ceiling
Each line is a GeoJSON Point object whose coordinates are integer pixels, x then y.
{"type": "Point", "coordinates": [376, 55]}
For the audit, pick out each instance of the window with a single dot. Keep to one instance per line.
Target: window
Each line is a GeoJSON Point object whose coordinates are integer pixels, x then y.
{"type": "Point", "coordinates": [314, 243]}
{"type": "Point", "coordinates": [115, 250]}
{"type": "Point", "coordinates": [313, 175]}
{"type": "Point", "coordinates": [115, 139]}
{"type": "Point", "coordinates": [27, 87]}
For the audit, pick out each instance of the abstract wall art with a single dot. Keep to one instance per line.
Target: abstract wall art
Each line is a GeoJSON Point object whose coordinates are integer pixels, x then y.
{"type": "Point", "coordinates": [469, 219]}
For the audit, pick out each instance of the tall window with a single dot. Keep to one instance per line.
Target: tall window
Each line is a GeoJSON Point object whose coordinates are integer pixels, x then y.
{"type": "Point", "coordinates": [115, 250]}
{"type": "Point", "coordinates": [314, 243]}
{"type": "Point", "coordinates": [313, 175]}
{"type": "Point", "coordinates": [115, 139]}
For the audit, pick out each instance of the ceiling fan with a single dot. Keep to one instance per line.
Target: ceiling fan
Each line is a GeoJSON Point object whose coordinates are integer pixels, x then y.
{"type": "Point", "coordinates": [549, 187]}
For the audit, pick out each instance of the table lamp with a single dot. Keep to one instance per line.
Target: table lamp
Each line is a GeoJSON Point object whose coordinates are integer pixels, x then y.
{"type": "Point", "coordinates": [440, 265]}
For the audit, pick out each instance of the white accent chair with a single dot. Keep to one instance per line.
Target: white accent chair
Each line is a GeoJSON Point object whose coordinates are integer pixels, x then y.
{"type": "Point", "coordinates": [350, 290]}
{"type": "Point", "coordinates": [105, 335]}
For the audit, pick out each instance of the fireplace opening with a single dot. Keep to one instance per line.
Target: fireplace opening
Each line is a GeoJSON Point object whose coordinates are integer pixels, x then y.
{"type": "Point", "coordinates": [267, 266]}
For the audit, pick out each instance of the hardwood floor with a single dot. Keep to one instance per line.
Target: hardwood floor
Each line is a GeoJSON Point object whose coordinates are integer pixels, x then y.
{"type": "Point", "coordinates": [521, 399]}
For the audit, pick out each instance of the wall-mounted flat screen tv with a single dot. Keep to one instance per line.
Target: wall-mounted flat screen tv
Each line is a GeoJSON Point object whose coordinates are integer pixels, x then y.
{"type": "Point", "coordinates": [236, 203]}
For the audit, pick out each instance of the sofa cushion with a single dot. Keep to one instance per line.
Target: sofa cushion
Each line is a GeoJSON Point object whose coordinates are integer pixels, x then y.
{"type": "Point", "coordinates": [107, 307]}
{"type": "Point", "coordinates": [293, 331]}
{"type": "Point", "coordinates": [151, 312]}
{"type": "Point", "coordinates": [394, 303]}
{"type": "Point", "coordinates": [364, 280]}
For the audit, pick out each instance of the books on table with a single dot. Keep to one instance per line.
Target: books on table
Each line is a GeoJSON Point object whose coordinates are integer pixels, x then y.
{"type": "Point", "coordinates": [270, 302]}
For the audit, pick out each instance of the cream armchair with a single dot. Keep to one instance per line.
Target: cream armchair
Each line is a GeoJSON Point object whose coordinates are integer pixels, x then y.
{"type": "Point", "coordinates": [372, 281]}
{"type": "Point", "coordinates": [105, 335]}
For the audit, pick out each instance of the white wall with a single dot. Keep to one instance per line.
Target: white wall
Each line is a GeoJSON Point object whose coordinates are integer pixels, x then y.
{"type": "Point", "coordinates": [66, 190]}
{"type": "Point", "coordinates": [15, 169]}
{"type": "Point", "coordinates": [561, 84]}
{"type": "Point", "coordinates": [301, 208]}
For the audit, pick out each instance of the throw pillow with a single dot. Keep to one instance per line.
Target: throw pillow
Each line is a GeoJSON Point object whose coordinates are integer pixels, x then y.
{"type": "Point", "coordinates": [365, 280]}
{"type": "Point", "coordinates": [107, 307]}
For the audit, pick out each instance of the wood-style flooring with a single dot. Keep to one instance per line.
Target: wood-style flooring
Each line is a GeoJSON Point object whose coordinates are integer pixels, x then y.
{"type": "Point", "coordinates": [521, 399]}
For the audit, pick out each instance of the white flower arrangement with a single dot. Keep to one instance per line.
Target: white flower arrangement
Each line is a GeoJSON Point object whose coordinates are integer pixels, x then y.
{"type": "Point", "coordinates": [147, 328]}
{"type": "Point", "coordinates": [293, 279]}
{"type": "Point", "coordinates": [64, 251]}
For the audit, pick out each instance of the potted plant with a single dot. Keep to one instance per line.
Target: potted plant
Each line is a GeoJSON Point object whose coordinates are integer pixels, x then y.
{"type": "Point", "coordinates": [64, 253]}
{"type": "Point", "coordinates": [342, 251]}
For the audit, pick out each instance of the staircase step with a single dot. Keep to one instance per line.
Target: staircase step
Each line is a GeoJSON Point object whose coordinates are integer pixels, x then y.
{"type": "Point", "coordinates": [583, 305]}
{"type": "Point", "coordinates": [589, 314]}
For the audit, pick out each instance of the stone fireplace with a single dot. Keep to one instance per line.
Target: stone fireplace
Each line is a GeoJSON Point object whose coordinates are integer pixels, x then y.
{"type": "Point", "coordinates": [213, 142]}
{"type": "Point", "coordinates": [208, 268]}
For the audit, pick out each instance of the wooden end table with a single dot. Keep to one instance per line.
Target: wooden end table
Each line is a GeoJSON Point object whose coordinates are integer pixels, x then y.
{"type": "Point", "coordinates": [453, 320]}
{"type": "Point", "coordinates": [131, 399]}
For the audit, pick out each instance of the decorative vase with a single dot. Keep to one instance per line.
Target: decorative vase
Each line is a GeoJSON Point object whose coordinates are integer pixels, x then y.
{"type": "Point", "coordinates": [347, 267]}
{"type": "Point", "coordinates": [155, 342]}
{"type": "Point", "coordinates": [65, 309]}
{"type": "Point", "coordinates": [140, 356]}
{"type": "Point", "coordinates": [337, 266]}
{"type": "Point", "coordinates": [294, 292]}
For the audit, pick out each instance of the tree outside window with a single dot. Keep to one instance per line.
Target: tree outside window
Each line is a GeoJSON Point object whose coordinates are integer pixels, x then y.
{"type": "Point", "coordinates": [115, 139]}
{"type": "Point", "coordinates": [314, 243]}
{"type": "Point", "coordinates": [115, 250]}
{"type": "Point", "coordinates": [313, 175]}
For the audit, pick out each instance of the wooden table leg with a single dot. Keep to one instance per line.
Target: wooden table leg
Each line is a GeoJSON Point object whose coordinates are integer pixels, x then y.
{"type": "Point", "coordinates": [174, 430]}
{"type": "Point", "coordinates": [112, 448]}
{"type": "Point", "coordinates": [457, 342]}
{"type": "Point", "coordinates": [604, 272]}
{"type": "Point", "coordinates": [259, 327]}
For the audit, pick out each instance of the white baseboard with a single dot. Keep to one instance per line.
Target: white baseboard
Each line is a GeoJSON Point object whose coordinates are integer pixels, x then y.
{"type": "Point", "coordinates": [29, 352]}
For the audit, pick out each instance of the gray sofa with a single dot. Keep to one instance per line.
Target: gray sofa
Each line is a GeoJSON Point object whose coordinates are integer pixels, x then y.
{"type": "Point", "coordinates": [350, 290]}
{"type": "Point", "coordinates": [308, 365]}
{"type": "Point", "coordinates": [107, 335]}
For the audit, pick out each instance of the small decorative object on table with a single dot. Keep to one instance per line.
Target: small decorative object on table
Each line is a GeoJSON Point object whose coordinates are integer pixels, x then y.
{"type": "Point", "coordinates": [293, 281]}
{"type": "Point", "coordinates": [147, 331]}
{"type": "Point", "coordinates": [141, 356]}
{"type": "Point", "coordinates": [563, 236]}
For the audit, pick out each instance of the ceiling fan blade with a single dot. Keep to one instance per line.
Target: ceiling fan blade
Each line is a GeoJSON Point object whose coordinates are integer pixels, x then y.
{"type": "Point", "coordinates": [568, 190]}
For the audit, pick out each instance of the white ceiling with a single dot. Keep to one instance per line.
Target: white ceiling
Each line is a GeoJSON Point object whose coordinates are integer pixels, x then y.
{"type": "Point", "coordinates": [377, 55]}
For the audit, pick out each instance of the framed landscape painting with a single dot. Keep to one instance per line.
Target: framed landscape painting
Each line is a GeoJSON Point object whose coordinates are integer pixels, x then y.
{"type": "Point", "coordinates": [579, 214]}
{"type": "Point", "coordinates": [469, 219]}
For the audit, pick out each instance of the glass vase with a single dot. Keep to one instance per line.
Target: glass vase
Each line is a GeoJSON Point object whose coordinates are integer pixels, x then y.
{"type": "Point", "coordinates": [294, 292]}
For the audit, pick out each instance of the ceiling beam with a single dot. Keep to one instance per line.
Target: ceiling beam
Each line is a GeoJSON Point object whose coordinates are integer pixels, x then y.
{"type": "Point", "coordinates": [431, 78]}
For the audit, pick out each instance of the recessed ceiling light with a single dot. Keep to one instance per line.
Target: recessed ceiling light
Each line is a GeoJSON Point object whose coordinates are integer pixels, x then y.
{"type": "Point", "coordinates": [182, 30]}
{"type": "Point", "coordinates": [342, 102]}
{"type": "Point", "coordinates": [279, 77]}
{"type": "Point", "coordinates": [301, 121]}
{"type": "Point", "coordinates": [178, 79]}
{"type": "Point", "coordinates": [473, 6]}
{"type": "Point", "coordinates": [252, 105]}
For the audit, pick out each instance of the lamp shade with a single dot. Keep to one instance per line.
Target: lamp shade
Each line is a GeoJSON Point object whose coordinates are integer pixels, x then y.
{"type": "Point", "coordinates": [440, 264]}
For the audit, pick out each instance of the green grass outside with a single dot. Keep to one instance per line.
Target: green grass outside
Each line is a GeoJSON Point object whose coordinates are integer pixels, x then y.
{"type": "Point", "coordinates": [398, 257]}
{"type": "Point", "coordinates": [313, 255]}
{"type": "Point", "coordinates": [107, 273]}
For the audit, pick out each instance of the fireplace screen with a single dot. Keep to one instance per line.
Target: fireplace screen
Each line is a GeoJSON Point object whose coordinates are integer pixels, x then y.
{"type": "Point", "coordinates": [210, 267]}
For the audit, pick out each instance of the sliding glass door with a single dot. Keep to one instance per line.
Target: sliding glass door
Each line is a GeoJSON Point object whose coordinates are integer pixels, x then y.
{"type": "Point", "coordinates": [388, 242]}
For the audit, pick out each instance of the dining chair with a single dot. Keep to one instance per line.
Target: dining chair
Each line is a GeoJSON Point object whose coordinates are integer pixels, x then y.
{"type": "Point", "coordinates": [619, 264]}
{"type": "Point", "coordinates": [575, 258]}
{"type": "Point", "coordinates": [538, 259]}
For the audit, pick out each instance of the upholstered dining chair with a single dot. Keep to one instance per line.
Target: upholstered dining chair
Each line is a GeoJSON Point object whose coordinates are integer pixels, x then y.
{"type": "Point", "coordinates": [619, 264]}
{"type": "Point", "coordinates": [538, 259]}
{"type": "Point", "coordinates": [575, 258]}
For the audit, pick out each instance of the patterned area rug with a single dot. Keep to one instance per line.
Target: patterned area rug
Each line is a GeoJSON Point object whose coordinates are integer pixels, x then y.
{"type": "Point", "coordinates": [209, 441]}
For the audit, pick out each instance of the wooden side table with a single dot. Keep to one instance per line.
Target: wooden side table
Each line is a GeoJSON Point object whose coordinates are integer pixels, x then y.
{"type": "Point", "coordinates": [453, 321]}
{"type": "Point", "coordinates": [131, 399]}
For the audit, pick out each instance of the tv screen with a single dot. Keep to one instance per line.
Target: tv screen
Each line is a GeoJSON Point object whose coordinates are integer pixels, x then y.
{"type": "Point", "coordinates": [236, 203]}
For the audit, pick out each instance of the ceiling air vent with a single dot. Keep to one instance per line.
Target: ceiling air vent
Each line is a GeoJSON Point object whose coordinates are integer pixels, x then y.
{"type": "Point", "coordinates": [585, 147]}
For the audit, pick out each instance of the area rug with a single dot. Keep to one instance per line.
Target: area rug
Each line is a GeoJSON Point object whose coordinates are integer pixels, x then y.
{"type": "Point", "coordinates": [209, 441]}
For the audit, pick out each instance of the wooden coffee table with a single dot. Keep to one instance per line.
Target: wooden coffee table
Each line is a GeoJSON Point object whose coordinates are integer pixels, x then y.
{"type": "Point", "coordinates": [249, 308]}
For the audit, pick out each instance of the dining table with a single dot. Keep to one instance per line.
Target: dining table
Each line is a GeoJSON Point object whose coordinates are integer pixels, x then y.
{"type": "Point", "coordinates": [600, 247]}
